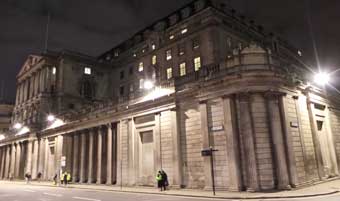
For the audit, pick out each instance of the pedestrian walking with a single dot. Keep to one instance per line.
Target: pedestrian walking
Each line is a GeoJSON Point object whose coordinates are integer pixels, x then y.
{"type": "Point", "coordinates": [159, 180]}
{"type": "Point", "coordinates": [68, 177]}
{"type": "Point", "coordinates": [28, 178]}
{"type": "Point", "coordinates": [165, 181]}
{"type": "Point", "coordinates": [65, 175]}
{"type": "Point", "coordinates": [39, 176]}
{"type": "Point", "coordinates": [62, 178]}
{"type": "Point", "coordinates": [55, 179]}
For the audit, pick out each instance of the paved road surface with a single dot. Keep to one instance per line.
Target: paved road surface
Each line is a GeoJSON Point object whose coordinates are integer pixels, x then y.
{"type": "Point", "coordinates": [12, 192]}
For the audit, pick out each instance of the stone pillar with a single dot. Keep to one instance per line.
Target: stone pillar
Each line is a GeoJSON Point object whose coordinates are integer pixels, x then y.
{"type": "Point", "coordinates": [278, 140]}
{"type": "Point", "coordinates": [2, 165]}
{"type": "Point", "coordinates": [205, 144]}
{"type": "Point", "coordinates": [12, 167]}
{"type": "Point", "coordinates": [35, 159]}
{"type": "Point", "coordinates": [176, 146]}
{"type": "Point", "coordinates": [99, 155]}
{"type": "Point", "coordinates": [59, 154]}
{"type": "Point", "coordinates": [41, 156]}
{"type": "Point", "coordinates": [90, 160]}
{"type": "Point", "coordinates": [75, 165]}
{"type": "Point", "coordinates": [233, 149]}
{"type": "Point", "coordinates": [114, 155]}
{"type": "Point", "coordinates": [8, 160]}
{"type": "Point", "coordinates": [82, 156]}
{"type": "Point", "coordinates": [18, 161]}
{"type": "Point", "coordinates": [17, 94]}
{"type": "Point", "coordinates": [247, 133]}
{"type": "Point", "coordinates": [29, 157]}
{"type": "Point", "coordinates": [47, 150]}
{"type": "Point", "coordinates": [158, 144]}
{"type": "Point", "coordinates": [109, 155]}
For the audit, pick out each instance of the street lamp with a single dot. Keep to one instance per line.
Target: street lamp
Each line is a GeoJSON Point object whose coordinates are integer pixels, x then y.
{"type": "Point", "coordinates": [2, 137]}
{"type": "Point", "coordinates": [148, 84]}
{"type": "Point", "coordinates": [17, 126]}
{"type": "Point", "coordinates": [50, 118]}
{"type": "Point", "coordinates": [321, 78]}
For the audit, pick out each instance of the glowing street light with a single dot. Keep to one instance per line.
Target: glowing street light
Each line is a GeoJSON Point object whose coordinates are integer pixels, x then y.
{"type": "Point", "coordinates": [148, 84]}
{"type": "Point", "coordinates": [2, 137]}
{"type": "Point", "coordinates": [17, 126]}
{"type": "Point", "coordinates": [50, 118]}
{"type": "Point", "coordinates": [321, 78]}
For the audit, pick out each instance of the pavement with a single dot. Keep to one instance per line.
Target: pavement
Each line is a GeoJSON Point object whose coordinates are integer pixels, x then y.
{"type": "Point", "coordinates": [322, 189]}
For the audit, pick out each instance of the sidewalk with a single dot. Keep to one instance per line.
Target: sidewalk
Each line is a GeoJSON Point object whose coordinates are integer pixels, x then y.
{"type": "Point", "coordinates": [326, 188]}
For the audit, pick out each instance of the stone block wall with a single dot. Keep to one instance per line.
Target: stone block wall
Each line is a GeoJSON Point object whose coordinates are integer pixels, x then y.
{"type": "Point", "coordinates": [335, 127]}
{"type": "Point", "coordinates": [166, 145]}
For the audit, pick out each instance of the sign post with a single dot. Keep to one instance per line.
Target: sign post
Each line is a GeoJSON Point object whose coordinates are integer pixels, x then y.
{"type": "Point", "coordinates": [209, 152]}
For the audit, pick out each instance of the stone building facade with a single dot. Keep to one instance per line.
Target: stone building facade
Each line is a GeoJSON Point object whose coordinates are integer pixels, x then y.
{"type": "Point", "coordinates": [6, 110]}
{"type": "Point", "coordinates": [201, 77]}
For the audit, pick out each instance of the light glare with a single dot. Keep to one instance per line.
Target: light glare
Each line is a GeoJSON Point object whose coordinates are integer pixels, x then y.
{"type": "Point", "coordinates": [321, 78]}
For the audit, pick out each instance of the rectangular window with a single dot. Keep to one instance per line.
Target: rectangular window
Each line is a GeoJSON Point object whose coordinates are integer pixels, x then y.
{"type": "Point", "coordinates": [121, 75]}
{"type": "Point", "coordinates": [184, 31]}
{"type": "Point", "coordinates": [132, 88]}
{"type": "Point", "coordinates": [181, 49]}
{"type": "Point", "coordinates": [121, 90]}
{"type": "Point", "coordinates": [131, 70]}
{"type": "Point", "coordinates": [169, 73]}
{"type": "Point", "coordinates": [168, 55]}
{"type": "Point", "coordinates": [195, 43]}
{"type": "Point", "coordinates": [197, 63]}
{"type": "Point", "coordinates": [154, 60]}
{"type": "Point", "coordinates": [141, 83]}
{"type": "Point", "coordinates": [140, 67]}
{"type": "Point", "coordinates": [182, 69]}
{"type": "Point", "coordinates": [54, 70]}
{"type": "Point", "coordinates": [87, 71]}
{"type": "Point", "coordinates": [171, 37]}
{"type": "Point", "coordinates": [153, 46]}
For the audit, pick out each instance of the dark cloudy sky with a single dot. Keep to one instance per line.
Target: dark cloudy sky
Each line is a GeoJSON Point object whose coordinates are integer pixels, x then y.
{"type": "Point", "coordinates": [94, 26]}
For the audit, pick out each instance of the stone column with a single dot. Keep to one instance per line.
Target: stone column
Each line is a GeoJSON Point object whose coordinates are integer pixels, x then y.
{"type": "Point", "coordinates": [29, 157]}
{"type": "Point", "coordinates": [2, 165]}
{"type": "Point", "coordinates": [158, 144]}
{"type": "Point", "coordinates": [41, 156]}
{"type": "Point", "coordinates": [82, 156]}
{"type": "Point", "coordinates": [114, 153]}
{"type": "Point", "coordinates": [35, 159]}
{"type": "Point", "coordinates": [18, 161]}
{"type": "Point", "coordinates": [109, 155]}
{"type": "Point", "coordinates": [99, 155]}
{"type": "Point", "coordinates": [12, 167]}
{"type": "Point", "coordinates": [8, 160]}
{"type": "Point", "coordinates": [176, 146]}
{"type": "Point", "coordinates": [47, 150]}
{"type": "Point", "coordinates": [90, 161]}
{"type": "Point", "coordinates": [17, 94]}
{"type": "Point", "coordinates": [75, 165]}
{"type": "Point", "coordinates": [232, 137]}
{"type": "Point", "coordinates": [247, 133]}
{"type": "Point", "coordinates": [278, 140]}
{"type": "Point", "coordinates": [205, 144]}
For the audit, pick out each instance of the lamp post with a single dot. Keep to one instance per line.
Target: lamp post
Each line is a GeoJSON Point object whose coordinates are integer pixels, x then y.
{"type": "Point", "coordinates": [322, 78]}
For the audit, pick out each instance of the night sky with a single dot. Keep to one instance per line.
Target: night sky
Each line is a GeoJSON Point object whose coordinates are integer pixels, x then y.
{"type": "Point", "coordinates": [95, 26]}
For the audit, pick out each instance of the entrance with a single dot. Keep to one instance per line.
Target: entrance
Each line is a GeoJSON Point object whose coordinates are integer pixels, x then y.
{"type": "Point", "coordinates": [146, 159]}
{"type": "Point", "coordinates": [324, 146]}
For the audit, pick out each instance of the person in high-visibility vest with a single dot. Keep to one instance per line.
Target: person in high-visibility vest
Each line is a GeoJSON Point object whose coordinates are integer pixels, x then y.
{"type": "Point", "coordinates": [68, 177]}
{"type": "Point", "coordinates": [62, 178]}
{"type": "Point", "coordinates": [159, 180]}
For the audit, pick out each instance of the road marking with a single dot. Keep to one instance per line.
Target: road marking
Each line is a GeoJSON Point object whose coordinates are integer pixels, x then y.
{"type": "Point", "coordinates": [55, 195]}
{"type": "Point", "coordinates": [80, 198]}
{"type": "Point", "coordinates": [31, 191]}
{"type": "Point", "coordinates": [6, 195]}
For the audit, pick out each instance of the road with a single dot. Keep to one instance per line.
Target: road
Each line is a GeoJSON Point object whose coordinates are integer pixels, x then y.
{"type": "Point", "coordinates": [14, 192]}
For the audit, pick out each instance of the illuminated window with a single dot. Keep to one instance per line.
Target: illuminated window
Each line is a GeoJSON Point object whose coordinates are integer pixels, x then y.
{"type": "Point", "coordinates": [140, 67]}
{"type": "Point", "coordinates": [195, 44]}
{"type": "Point", "coordinates": [116, 53]}
{"type": "Point", "coordinates": [134, 55]}
{"type": "Point", "coordinates": [300, 53]}
{"type": "Point", "coordinates": [197, 63]}
{"type": "Point", "coordinates": [54, 70]}
{"type": "Point", "coordinates": [132, 88]}
{"type": "Point", "coordinates": [87, 71]}
{"type": "Point", "coordinates": [168, 55]}
{"type": "Point", "coordinates": [154, 60]}
{"type": "Point", "coordinates": [169, 73]}
{"type": "Point", "coordinates": [184, 31]}
{"type": "Point", "coordinates": [141, 83]}
{"type": "Point", "coordinates": [153, 46]}
{"type": "Point", "coordinates": [182, 69]}
{"type": "Point", "coordinates": [171, 37]}
{"type": "Point", "coordinates": [181, 50]}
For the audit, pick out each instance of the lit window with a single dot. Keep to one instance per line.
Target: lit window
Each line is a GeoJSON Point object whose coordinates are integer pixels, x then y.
{"type": "Point", "coordinates": [154, 60]}
{"type": "Point", "coordinates": [141, 83]}
{"type": "Point", "coordinates": [87, 71]}
{"type": "Point", "coordinates": [143, 50]}
{"type": "Point", "coordinates": [54, 70]}
{"type": "Point", "coordinates": [181, 50]}
{"type": "Point", "coordinates": [182, 69]}
{"type": "Point", "coordinates": [140, 67]}
{"type": "Point", "coordinates": [197, 63]}
{"type": "Point", "coordinates": [169, 73]}
{"type": "Point", "coordinates": [184, 31]}
{"type": "Point", "coordinates": [168, 55]}
{"type": "Point", "coordinates": [300, 53]}
{"type": "Point", "coordinates": [116, 54]}
{"type": "Point", "coordinates": [134, 55]}
{"type": "Point", "coordinates": [171, 37]}
{"type": "Point", "coordinates": [131, 88]}
{"type": "Point", "coordinates": [153, 46]}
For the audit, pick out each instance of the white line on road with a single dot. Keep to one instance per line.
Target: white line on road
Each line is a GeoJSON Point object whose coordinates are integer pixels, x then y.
{"type": "Point", "coordinates": [31, 191]}
{"type": "Point", "coordinates": [80, 198]}
{"type": "Point", "coordinates": [6, 195]}
{"type": "Point", "coordinates": [55, 195]}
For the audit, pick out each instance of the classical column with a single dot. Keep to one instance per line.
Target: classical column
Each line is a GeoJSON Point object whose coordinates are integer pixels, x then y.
{"type": "Point", "coordinates": [2, 162]}
{"type": "Point", "coordinates": [158, 144]}
{"type": "Point", "coordinates": [82, 156]}
{"type": "Point", "coordinates": [278, 140]}
{"type": "Point", "coordinates": [176, 146]}
{"type": "Point", "coordinates": [90, 160]}
{"type": "Point", "coordinates": [114, 153]}
{"type": "Point", "coordinates": [109, 155]}
{"type": "Point", "coordinates": [232, 138]}
{"type": "Point", "coordinates": [8, 160]}
{"type": "Point", "coordinates": [205, 144]}
{"type": "Point", "coordinates": [99, 155]}
{"type": "Point", "coordinates": [35, 159]}
{"type": "Point", "coordinates": [247, 133]}
{"type": "Point", "coordinates": [29, 157]}
{"type": "Point", "coordinates": [17, 94]}
{"type": "Point", "coordinates": [12, 167]}
{"type": "Point", "coordinates": [75, 165]}
{"type": "Point", "coordinates": [41, 156]}
{"type": "Point", "coordinates": [47, 150]}
{"type": "Point", "coordinates": [18, 161]}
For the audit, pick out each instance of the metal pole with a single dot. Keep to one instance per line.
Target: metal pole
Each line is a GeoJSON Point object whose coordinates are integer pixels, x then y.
{"type": "Point", "coordinates": [212, 170]}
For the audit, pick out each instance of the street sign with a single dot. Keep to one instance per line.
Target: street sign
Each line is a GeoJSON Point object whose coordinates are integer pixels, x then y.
{"type": "Point", "coordinates": [206, 152]}
{"type": "Point", "coordinates": [209, 152]}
